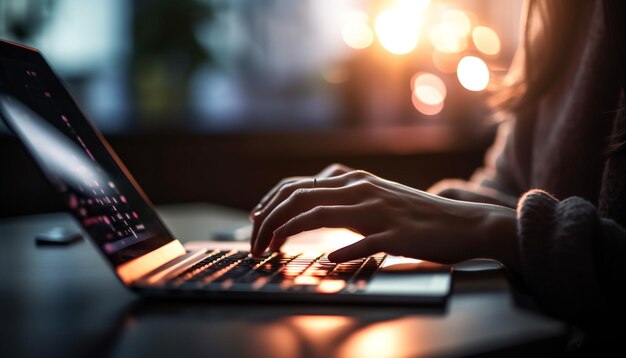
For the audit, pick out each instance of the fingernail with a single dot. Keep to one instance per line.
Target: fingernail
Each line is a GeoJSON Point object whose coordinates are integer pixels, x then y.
{"type": "Point", "coordinates": [253, 212]}
{"type": "Point", "coordinates": [255, 215]}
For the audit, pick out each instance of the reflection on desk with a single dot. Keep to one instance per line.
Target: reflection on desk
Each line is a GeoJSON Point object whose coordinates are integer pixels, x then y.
{"type": "Point", "coordinates": [66, 302]}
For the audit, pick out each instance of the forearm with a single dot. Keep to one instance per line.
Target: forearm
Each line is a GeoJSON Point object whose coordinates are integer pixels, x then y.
{"type": "Point", "coordinates": [487, 231]}
{"type": "Point", "coordinates": [493, 235]}
{"type": "Point", "coordinates": [471, 192]}
{"type": "Point", "coordinates": [501, 241]}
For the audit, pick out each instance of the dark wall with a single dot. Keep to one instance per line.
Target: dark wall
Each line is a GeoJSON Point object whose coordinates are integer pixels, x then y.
{"type": "Point", "coordinates": [237, 169]}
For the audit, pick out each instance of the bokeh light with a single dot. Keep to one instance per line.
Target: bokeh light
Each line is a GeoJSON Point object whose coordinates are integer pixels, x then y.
{"type": "Point", "coordinates": [457, 21]}
{"type": "Point", "coordinates": [428, 88]}
{"type": "Point", "coordinates": [331, 286]}
{"type": "Point", "coordinates": [416, 6]}
{"type": "Point", "coordinates": [447, 39]}
{"type": "Point", "coordinates": [473, 73]}
{"type": "Point", "coordinates": [486, 40]}
{"type": "Point", "coordinates": [428, 93]}
{"type": "Point", "coordinates": [426, 109]}
{"type": "Point", "coordinates": [356, 33]}
{"type": "Point", "coordinates": [398, 30]}
{"type": "Point", "coordinates": [445, 62]}
{"type": "Point", "coordinates": [381, 340]}
{"type": "Point", "coordinates": [450, 35]}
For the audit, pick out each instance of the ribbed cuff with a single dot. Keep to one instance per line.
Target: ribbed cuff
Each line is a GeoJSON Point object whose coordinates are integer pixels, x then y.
{"type": "Point", "coordinates": [556, 251]}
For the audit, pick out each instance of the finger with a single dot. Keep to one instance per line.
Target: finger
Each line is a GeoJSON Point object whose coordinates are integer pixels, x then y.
{"type": "Point", "coordinates": [334, 170]}
{"type": "Point", "coordinates": [330, 171]}
{"type": "Point", "coordinates": [370, 245]}
{"type": "Point", "coordinates": [255, 215]}
{"type": "Point", "coordinates": [285, 186]}
{"type": "Point", "coordinates": [271, 193]}
{"type": "Point", "coordinates": [355, 217]}
{"type": "Point", "coordinates": [297, 203]}
{"type": "Point", "coordinates": [306, 183]}
{"type": "Point", "coordinates": [288, 189]}
{"type": "Point", "coordinates": [336, 216]}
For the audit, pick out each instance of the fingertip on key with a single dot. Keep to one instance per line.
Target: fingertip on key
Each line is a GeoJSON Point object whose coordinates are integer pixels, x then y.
{"type": "Point", "coordinates": [332, 257]}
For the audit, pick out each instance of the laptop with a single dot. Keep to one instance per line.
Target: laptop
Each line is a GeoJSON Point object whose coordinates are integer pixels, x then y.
{"type": "Point", "coordinates": [119, 219]}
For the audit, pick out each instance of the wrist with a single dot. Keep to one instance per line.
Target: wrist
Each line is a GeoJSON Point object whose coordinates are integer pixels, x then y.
{"type": "Point", "coordinates": [499, 232]}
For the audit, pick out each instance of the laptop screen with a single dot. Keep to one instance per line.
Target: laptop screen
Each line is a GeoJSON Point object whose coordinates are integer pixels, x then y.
{"type": "Point", "coordinates": [75, 159]}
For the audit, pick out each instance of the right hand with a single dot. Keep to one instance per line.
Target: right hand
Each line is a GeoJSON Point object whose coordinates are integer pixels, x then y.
{"type": "Point", "coordinates": [393, 218]}
{"type": "Point", "coordinates": [330, 171]}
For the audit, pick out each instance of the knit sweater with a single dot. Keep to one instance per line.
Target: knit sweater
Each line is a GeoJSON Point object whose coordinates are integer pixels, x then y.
{"type": "Point", "coordinates": [551, 163]}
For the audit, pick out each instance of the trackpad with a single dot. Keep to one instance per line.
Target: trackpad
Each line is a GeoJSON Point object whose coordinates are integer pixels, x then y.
{"type": "Point", "coordinates": [410, 284]}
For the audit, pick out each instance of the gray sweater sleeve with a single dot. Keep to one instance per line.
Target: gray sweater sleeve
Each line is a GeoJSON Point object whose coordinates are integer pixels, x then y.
{"type": "Point", "coordinates": [572, 259]}
{"type": "Point", "coordinates": [498, 180]}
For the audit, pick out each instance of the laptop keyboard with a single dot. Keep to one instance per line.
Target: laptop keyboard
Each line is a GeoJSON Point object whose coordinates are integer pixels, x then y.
{"type": "Point", "coordinates": [277, 271]}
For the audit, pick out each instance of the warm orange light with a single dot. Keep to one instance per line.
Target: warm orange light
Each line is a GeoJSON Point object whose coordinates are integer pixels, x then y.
{"type": "Point", "coordinates": [139, 267]}
{"type": "Point", "coordinates": [445, 62]}
{"type": "Point", "coordinates": [356, 33]}
{"type": "Point", "coordinates": [426, 109]}
{"type": "Point", "coordinates": [429, 93]}
{"type": "Point", "coordinates": [306, 280]}
{"type": "Point", "coordinates": [415, 6]}
{"type": "Point", "coordinates": [428, 88]}
{"type": "Point", "coordinates": [450, 35]}
{"type": "Point", "coordinates": [398, 30]}
{"type": "Point", "coordinates": [331, 286]}
{"type": "Point", "coordinates": [447, 39]}
{"type": "Point", "coordinates": [486, 40]}
{"type": "Point", "coordinates": [473, 73]}
{"type": "Point", "coordinates": [378, 340]}
{"type": "Point", "coordinates": [315, 324]}
{"type": "Point", "coordinates": [274, 338]}
{"type": "Point", "coordinates": [411, 336]}
{"type": "Point", "coordinates": [321, 240]}
{"type": "Point", "coordinates": [457, 21]}
{"type": "Point", "coordinates": [320, 331]}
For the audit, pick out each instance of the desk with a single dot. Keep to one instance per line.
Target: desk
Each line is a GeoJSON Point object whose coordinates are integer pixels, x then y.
{"type": "Point", "coordinates": [64, 302]}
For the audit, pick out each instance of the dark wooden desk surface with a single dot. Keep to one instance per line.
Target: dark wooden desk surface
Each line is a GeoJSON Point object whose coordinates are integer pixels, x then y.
{"type": "Point", "coordinates": [64, 302]}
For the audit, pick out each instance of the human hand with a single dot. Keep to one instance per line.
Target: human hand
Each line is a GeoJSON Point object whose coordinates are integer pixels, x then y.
{"type": "Point", "coordinates": [330, 171]}
{"type": "Point", "coordinates": [394, 218]}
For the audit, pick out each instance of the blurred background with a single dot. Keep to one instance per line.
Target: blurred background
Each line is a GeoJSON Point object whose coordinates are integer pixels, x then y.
{"type": "Point", "coordinates": [216, 100]}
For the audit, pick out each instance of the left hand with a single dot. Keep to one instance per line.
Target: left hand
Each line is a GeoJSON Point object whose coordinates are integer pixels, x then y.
{"type": "Point", "coordinates": [394, 218]}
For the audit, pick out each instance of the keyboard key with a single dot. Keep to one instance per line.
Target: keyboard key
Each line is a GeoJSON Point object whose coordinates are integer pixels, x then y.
{"type": "Point", "coordinates": [277, 271]}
